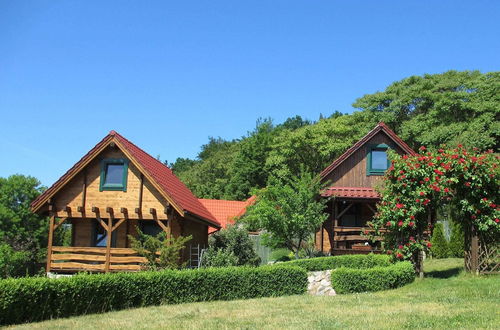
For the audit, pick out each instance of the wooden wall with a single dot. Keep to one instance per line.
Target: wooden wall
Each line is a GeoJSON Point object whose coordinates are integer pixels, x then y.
{"type": "Point", "coordinates": [352, 172]}
{"type": "Point", "coordinates": [71, 194]}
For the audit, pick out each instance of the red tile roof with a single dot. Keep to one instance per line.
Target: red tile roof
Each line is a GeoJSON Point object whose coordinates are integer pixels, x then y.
{"type": "Point", "coordinates": [351, 192]}
{"type": "Point", "coordinates": [380, 127]}
{"type": "Point", "coordinates": [226, 212]}
{"type": "Point", "coordinates": [159, 173]}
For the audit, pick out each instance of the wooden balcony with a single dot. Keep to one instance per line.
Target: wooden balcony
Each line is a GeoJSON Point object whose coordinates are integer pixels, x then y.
{"type": "Point", "coordinates": [93, 259]}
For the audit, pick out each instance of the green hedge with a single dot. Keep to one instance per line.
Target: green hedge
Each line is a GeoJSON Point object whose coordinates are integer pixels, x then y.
{"type": "Point", "coordinates": [35, 299]}
{"type": "Point", "coordinates": [348, 280]}
{"type": "Point", "coordinates": [358, 261]}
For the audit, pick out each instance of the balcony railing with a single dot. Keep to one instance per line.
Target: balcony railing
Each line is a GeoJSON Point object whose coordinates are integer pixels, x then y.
{"type": "Point", "coordinates": [94, 259]}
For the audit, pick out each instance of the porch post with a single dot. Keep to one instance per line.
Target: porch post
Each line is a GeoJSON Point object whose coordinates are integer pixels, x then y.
{"type": "Point", "coordinates": [51, 238]}
{"type": "Point", "coordinates": [335, 223]}
{"type": "Point", "coordinates": [109, 231]}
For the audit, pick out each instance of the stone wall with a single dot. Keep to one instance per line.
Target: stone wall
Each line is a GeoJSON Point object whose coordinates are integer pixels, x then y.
{"type": "Point", "coordinates": [320, 284]}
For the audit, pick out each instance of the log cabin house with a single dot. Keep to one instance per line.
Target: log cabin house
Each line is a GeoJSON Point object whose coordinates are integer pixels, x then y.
{"type": "Point", "coordinates": [352, 179]}
{"type": "Point", "coordinates": [114, 189]}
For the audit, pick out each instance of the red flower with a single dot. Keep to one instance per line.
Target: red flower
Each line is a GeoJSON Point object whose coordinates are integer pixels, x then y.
{"type": "Point", "coordinates": [460, 146]}
{"type": "Point", "coordinates": [401, 172]}
{"type": "Point", "coordinates": [417, 200]}
{"type": "Point", "coordinates": [467, 184]}
{"type": "Point", "coordinates": [426, 179]}
{"type": "Point", "coordinates": [422, 148]}
{"type": "Point", "coordinates": [412, 239]}
{"type": "Point", "coordinates": [399, 206]}
{"type": "Point", "coordinates": [493, 205]}
{"type": "Point", "coordinates": [412, 224]}
{"type": "Point", "coordinates": [446, 190]}
{"type": "Point", "coordinates": [405, 157]}
{"type": "Point", "coordinates": [473, 216]}
{"type": "Point", "coordinates": [422, 193]}
{"type": "Point", "coordinates": [400, 223]}
{"type": "Point", "coordinates": [399, 256]}
{"type": "Point", "coordinates": [429, 245]}
{"type": "Point", "coordinates": [427, 201]}
{"type": "Point", "coordinates": [400, 247]}
{"type": "Point", "coordinates": [496, 220]}
{"type": "Point", "coordinates": [389, 252]}
{"type": "Point", "coordinates": [412, 217]}
{"type": "Point", "coordinates": [388, 224]}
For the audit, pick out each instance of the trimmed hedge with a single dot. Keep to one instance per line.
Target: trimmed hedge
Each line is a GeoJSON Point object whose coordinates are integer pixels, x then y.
{"type": "Point", "coordinates": [349, 280]}
{"type": "Point", "coordinates": [357, 261]}
{"type": "Point", "coordinates": [35, 299]}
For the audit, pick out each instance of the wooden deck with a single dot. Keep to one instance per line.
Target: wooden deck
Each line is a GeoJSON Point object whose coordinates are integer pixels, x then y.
{"type": "Point", "coordinates": [66, 259]}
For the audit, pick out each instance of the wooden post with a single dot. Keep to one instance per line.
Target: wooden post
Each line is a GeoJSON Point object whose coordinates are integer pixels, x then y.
{"type": "Point", "coordinates": [474, 251]}
{"type": "Point", "coordinates": [109, 232]}
{"type": "Point", "coordinates": [51, 238]}
{"type": "Point", "coordinates": [335, 223]}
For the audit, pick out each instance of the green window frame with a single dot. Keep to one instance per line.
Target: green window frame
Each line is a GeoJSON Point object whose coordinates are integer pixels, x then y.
{"type": "Point", "coordinates": [369, 168]}
{"type": "Point", "coordinates": [103, 186]}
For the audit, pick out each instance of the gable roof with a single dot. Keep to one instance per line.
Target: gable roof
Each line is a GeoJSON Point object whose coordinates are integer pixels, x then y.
{"type": "Point", "coordinates": [381, 127]}
{"type": "Point", "coordinates": [160, 176]}
{"type": "Point", "coordinates": [226, 212]}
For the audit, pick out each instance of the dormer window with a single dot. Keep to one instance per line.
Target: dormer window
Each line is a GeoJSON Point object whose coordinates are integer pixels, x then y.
{"type": "Point", "coordinates": [377, 160]}
{"type": "Point", "coordinates": [114, 175]}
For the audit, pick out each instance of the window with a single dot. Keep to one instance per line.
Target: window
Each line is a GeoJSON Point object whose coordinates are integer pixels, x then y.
{"type": "Point", "coordinates": [150, 227]}
{"type": "Point", "coordinates": [377, 162]}
{"type": "Point", "coordinates": [114, 174]}
{"type": "Point", "coordinates": [99, 237]}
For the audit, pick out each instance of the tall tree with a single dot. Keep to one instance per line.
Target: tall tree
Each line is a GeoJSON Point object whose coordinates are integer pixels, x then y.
{"type": "Point", "coordinates": [288, 213]}
{"type": "Point", "coordinates": [452, 107]}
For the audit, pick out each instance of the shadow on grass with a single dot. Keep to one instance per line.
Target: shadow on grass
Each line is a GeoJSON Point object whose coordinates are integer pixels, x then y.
{"type": "Point", "coordinates": [446, 273]}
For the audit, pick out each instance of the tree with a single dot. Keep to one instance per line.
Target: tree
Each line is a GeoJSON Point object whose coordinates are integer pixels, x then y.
{"type": "Point", "coordinates": [289, 211]}
{"type": "Point", "coordinates": [19, 227]}
{"type": "Point", "coordinates": [313, 147]}
{"type": "Point", "coordinates": [452, 107]}
{"type": "Point", "coordinates": [233, 240]}
{"type": "Point", "coordinates": [415, 186]}
{"type": "Point", "coordinates": [457, 239]}
{"type": "Point", "coordinates": [439, 244]}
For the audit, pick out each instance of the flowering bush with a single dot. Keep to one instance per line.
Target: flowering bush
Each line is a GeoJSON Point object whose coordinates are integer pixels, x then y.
{"type": "Point", "coordinates": [415, 185]}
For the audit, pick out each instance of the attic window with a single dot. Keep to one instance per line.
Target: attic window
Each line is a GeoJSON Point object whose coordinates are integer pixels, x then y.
{"type": "Point", "coordinates": [377, 162]}
{"type": "Point", "coordinates": [114, 175]}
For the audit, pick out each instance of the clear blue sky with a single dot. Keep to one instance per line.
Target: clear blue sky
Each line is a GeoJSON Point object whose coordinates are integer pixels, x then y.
{"type": "Point", "coordinates": [169, 75]}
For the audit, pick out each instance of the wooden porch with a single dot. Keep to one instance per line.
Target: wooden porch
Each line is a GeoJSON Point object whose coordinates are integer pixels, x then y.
{"type": "Point", "coordinates": [343, 232]}
{"type": "Point", "coordinates": [93, 259]}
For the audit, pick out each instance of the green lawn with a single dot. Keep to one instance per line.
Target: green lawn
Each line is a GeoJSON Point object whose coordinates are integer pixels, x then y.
{"type": "Point", "coordinates": [446, 298]}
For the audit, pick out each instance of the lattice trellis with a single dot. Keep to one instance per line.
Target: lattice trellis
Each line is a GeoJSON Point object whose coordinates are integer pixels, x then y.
{"type": "Point", "coordinates": [482, 253]}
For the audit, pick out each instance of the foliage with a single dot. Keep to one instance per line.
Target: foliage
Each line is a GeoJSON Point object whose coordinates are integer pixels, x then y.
{"type": "Point", "coordinates": [313, 147]}
{"type": "Point", "coordinates": [452, 107]}
{"type": "Point", "coordinates": [34, 299]}
{"type": "Point", "coordinates": [288, 212]}
{"type": "Point", "coordinates": [280, 254]}
{"type": "Point", "coordinates": [349, 280]}
{"type": "Point", "coordinates": [355, 261]}
{"type": "Point", "coordinates": [19, 227]}
{"type": "Point", "coordinates": [439, 244]}
{"type": "Point", "coordinates": [13, 263]}
{"type": "Point", "coordinates": [457, 241]}
{"type": "Point", "coordinates": [219, 258]}
{"type": "Point", "coordinates": [160, 252]}
{"type": "Point", "coordinates": [234, 243]}
{"type": "Point", "coordinates": [416, 185]}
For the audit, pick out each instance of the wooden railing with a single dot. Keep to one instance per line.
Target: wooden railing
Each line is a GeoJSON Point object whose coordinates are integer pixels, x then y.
{"type": "Point", "coordinates": [94, 259]}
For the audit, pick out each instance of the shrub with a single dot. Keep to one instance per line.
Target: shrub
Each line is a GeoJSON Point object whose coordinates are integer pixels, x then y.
{"type": "Point", "coordinates": [219, 258]}
{"type": "Point", "coordinates": [439, 245]}
{"type": "Point", "coordinates": [232, 240]}
{"type": "Point", "coordinates": [348, 280]}
{"type": "Point", "coordinates": [160, 252]}
{"type": "Point", "coordinates": [282, 254]}
{"type": "Point", "coordinates": [35, 299]}
{"type": "Point", "coordinates": [359, 261]}
{"type": "Point", "coordinates": [456, 244]}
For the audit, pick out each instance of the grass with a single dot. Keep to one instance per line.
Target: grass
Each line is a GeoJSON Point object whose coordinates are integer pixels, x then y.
{"type": "Point", "coordinates": [446, 298]}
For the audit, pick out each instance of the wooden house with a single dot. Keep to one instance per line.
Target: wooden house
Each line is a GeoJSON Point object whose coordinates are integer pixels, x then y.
{"type": "Point", "coordinates": [352, 179]}
{"type": "Point", "coordinates": [114, 189]}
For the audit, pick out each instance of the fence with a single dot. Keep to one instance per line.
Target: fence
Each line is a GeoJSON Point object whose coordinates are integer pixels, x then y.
{"type": "Point", "coordinates": [482, 252]}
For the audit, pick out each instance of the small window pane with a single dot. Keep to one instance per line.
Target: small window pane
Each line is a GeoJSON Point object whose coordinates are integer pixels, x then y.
{"type": "Point", "coordinates": [379, 159]}
{"type": "Point", "coordinates": [100, 236]}
{"type": "Point", "coordinates": [114, 174]}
